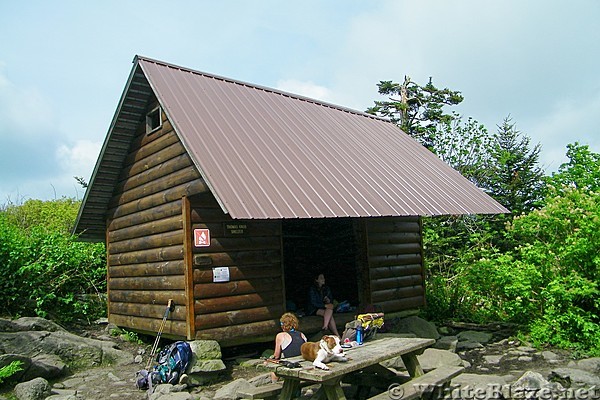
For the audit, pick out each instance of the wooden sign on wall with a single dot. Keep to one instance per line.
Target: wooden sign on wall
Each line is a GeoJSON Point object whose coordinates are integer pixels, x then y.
{"type": "Point", "coordinates": [235, 228]}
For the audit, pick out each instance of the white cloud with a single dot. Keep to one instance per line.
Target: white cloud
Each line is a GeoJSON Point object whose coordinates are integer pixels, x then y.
{"type": "Point", "coordinates": [308, 89]}
{"type": "Point", "coordinates": [79, 159]}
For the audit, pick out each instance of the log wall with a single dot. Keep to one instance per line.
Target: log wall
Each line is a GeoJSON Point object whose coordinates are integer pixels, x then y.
{"type": "Point", "coordinates": [161, 200]}
{"type": "Point", "coordinates": [395, 274]}
{"type": "Point", "coordinates": [145, 233]}
{"type": "Point", "coordinates": [247, 306]}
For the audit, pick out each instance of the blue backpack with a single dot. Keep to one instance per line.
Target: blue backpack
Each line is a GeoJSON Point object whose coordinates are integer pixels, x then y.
{"type": "Point", "coordinates": [172, 362]}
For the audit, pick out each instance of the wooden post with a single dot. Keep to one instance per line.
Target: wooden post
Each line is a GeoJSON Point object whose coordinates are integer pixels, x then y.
{"type": "Point", "coordinates": [363, 259]}
{"type": "Point", "coordinates": [282, 266]}
{"type": "Point", "coordinates": [188, 261]}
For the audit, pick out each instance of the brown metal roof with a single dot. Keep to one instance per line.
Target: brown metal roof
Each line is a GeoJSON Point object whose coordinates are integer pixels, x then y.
{"type": "Point", "coordinates": [270, 154]}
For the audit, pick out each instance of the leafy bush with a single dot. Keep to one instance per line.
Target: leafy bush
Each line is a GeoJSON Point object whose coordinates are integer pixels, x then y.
{"type": "Point", "coordinates": [582, 171]}
{"type": "Point", "coordinates": [565, 247]}
{"type": "Point", "coordinates": [47, 272]}
{"type": "Point", "coordinates": [13, 253]}
{"type": "Point", "coordinates": [570, 316]}
{"type": "Point", "coordinates": [545, 275]}
{"type": "Point", "coordinates": [450, 245]}
{"type": "Point", "coordinates": [52, 216]}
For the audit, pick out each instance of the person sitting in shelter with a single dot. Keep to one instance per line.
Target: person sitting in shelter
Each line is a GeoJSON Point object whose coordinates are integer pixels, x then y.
{"type": "Point", "coordinates": [320, 302]}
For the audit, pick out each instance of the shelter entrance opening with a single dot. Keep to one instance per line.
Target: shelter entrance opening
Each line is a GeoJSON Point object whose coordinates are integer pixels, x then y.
{"type": "Point", "coordinates": [329, 246]}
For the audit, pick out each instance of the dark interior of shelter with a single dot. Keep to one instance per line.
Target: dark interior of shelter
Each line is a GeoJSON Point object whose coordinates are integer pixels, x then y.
{"type": "Point", "coordinates": [329, 246]}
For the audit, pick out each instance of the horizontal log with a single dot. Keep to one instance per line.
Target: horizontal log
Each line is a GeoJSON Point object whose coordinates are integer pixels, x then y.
{"type": "Point", "coordinates": [172, 223]}
{"type": "Point", "coordinates": [396, 282]}
{"type": "Point", "coordinates": [149, 145]}
{"type": "Point", "coordinates": [395, 271]}
{"type": "Point", "coordinates": [203, 200]}
{"type": "Point", "coordinates": [146, 256]}
{"type": "Point", "coordinates": [221, 289]}
{"type": "Point", "coordinates": [147, 310]}
{"type": "Point", "coordinates": [166, 153]}
{"type": "Point", "coordinates": [161, 297]}
{"type": "Point", "coordinates": [397, 293]}
{"type": "Point", "coordinates": [237, 317]}
{"type": "Point", "coordinates": [208, 215]}
{"type": "Point", "coordinates": [158, 186]}
{"type": "Point", "coordinates": [151, 175]}
{"type": "Point", "coordinates": [395, 305]}
{"type": "Point", "coordinates": [390, 238]}
{"type": "Point", "coordinates": [265, 331]}
{"type": "Point", "coordinates": [243, 257]}
{"type": "Point", "coordinates": [175, 267]}
{"type": "Point", "coordinates": [389, 260]}
{"type": "Point", "coordinates": [148, 242]}
{"type": "Point", "coordinates": [172, 328]}
{"type": "Point", "coordinates": [220, 304]}
{"type": "Point", "coordinates": [239, 334]}
{"type": "Point", "coordinates": [240, 244]}
{"type": "Point", "coordinates": [172, 282]}
{"type": "Point", "coordinates": [170, 209]}
{"type": "Point", "coordinates": [175, 193]}
{"type": "Point", "coordinates": [400, 248]}
{"type": "Point", "coordinates": [404, 224]}
{"type": "Point", "coordinates": [238, 273]}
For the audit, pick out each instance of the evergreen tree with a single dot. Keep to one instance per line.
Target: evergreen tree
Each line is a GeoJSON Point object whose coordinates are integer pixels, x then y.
{"type": "Point", "coordinates": [516, 180]}
{"type": "Point", "coordinates": [414, 108]}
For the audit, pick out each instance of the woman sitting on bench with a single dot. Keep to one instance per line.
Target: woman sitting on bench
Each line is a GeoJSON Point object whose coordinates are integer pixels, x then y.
{"type": "Point", "coordinates": [288, 342]}
{"type": "Point", "coordinates": [320, 302]}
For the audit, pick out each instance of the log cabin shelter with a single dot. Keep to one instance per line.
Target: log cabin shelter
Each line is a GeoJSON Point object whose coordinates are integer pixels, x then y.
{"type": "Point", "coordinates": [227, 197]}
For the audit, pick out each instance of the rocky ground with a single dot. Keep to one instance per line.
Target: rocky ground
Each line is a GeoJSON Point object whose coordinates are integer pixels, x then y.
{"type": "Point", "coordinates": [494, 367]}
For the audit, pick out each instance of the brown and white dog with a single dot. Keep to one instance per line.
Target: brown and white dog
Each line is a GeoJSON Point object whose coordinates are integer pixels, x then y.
{"type": "Point", "coordinates": [326, 350]}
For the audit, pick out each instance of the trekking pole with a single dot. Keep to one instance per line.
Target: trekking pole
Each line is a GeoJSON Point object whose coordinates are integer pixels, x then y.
{"type": "Point", "coordinates": [170, 307]}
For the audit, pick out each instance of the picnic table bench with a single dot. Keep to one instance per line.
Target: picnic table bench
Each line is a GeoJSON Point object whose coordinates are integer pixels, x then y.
{"type": "Point", "coordinates": [365, 371]}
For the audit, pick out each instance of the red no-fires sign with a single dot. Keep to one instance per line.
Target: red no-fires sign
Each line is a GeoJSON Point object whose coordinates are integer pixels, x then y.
{"type": "Point", "coordinates": [201, 237]}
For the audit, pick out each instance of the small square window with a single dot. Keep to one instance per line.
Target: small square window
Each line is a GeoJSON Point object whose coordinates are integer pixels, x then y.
{"type": "Point", "coordinates": [153, 120]}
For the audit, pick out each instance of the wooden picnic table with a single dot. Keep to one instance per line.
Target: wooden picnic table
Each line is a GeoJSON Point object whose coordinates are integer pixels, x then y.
{"type": "Point", "coordinates": [364, 357]}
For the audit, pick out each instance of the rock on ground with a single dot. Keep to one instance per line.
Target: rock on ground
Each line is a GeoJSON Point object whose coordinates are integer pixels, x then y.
{"type": "Point", "coordinates": [420, 327]}
{"type": "Point", "coordinates": [35, 389]}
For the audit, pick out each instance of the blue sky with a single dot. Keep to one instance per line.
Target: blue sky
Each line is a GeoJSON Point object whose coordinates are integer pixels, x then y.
{"type": "Point", "coordinates": [64, 64]}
